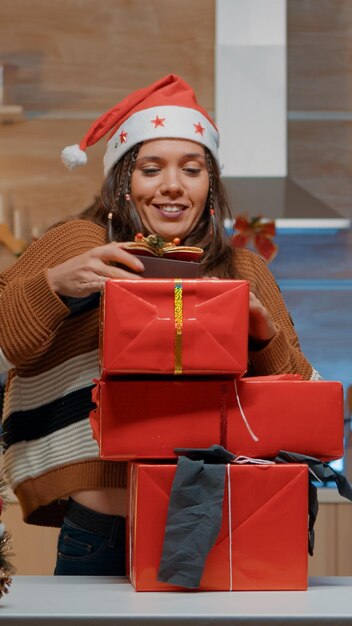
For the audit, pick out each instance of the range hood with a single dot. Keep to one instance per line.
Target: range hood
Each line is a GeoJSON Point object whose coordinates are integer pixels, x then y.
{"type": "Point", "coordinates": [281, 199]}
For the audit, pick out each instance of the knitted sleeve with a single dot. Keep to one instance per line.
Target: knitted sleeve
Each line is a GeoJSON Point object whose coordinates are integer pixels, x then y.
{"type": "Point", "coordinates": [30, 312]}
{"type": "Point", "coordinates": [283, 353]}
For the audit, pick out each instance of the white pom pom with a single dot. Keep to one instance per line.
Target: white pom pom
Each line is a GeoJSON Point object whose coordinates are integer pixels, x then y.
{"type": "Point", "coordinates": [73, 156]}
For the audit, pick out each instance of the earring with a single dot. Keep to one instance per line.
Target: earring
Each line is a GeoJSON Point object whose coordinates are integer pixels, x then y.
{"type": "Point", "coordinates": [212, 221]}
{"type": "Point", "coordinates": [109, 227]}
{"type": "Point", "coordinates": [127, 197]}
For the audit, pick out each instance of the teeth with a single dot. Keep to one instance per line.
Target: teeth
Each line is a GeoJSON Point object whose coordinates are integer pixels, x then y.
{"type": "Point", "coordinates": [171, 209]}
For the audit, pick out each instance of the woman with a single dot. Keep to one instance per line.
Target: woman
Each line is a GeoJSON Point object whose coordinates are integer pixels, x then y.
{"type": "Point", "coordinates": [162, 176]}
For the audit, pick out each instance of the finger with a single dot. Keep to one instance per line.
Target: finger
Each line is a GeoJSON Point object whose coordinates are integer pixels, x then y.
{"type": "Point", "coordinates": [108, 247]}
{"type": "Point", "coordinates": [254, 303]}
{"type": "Point", "coordinates": [118, 272]}
{"type": "Point", "coordinates": [93, 286]}
{"type": "Point", "coordinates": [111, 271]}
{"type": "Point", "coordinates": [253, 297]}
{"type": "Point", "coordinates": [115, 252]}
{"type": "Point", "coordinates": [106, 272]}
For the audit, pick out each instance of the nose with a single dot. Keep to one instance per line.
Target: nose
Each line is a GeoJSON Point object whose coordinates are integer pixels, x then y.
{"type": "Point", "coordinates": [171, 184]}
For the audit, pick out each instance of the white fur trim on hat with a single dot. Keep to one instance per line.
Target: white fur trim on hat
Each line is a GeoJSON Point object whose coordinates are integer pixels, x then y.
{"type": "Point", "coordinates": [73, 156]}
{"type": "Point", "coordinates": [164, 122]}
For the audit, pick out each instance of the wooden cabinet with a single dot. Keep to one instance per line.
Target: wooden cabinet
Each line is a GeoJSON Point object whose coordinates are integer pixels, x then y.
{"type": "Point", "coordinates": [35, 547]}
{"type": "Point", "coordinates": [333, 548]}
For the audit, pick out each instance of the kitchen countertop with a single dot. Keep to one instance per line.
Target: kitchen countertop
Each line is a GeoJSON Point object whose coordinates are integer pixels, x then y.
{"type": "Point", "coordinates": [78, 601]}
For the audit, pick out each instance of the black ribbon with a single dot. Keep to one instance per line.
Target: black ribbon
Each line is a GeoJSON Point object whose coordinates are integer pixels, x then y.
{"type": "Point", "coordinates": [322, 471]}
{"type": "Point", "coordinates": [194, 515]}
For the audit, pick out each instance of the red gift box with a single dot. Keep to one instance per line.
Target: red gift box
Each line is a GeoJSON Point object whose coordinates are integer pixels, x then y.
{"type": "Point", "coordinates": [267, 548]}
{"type": "Point", "coordinates": [287, 413]}
{"type": "Point", "coordinates": [149, 418]}
{"type": "Point", "coordinates": [174, 326]}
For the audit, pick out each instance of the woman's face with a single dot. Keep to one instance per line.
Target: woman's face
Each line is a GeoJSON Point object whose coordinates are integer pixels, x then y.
{"type": "Point", "coordinates": [169, 186]}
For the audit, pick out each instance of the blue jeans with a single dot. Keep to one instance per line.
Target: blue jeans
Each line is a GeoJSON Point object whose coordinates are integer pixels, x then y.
{"type": "Point", "coordinates": [90, 544]}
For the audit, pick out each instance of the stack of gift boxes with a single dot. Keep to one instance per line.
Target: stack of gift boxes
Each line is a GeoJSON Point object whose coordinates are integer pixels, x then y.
{"type": "Point", "coordinates": [173, 356]}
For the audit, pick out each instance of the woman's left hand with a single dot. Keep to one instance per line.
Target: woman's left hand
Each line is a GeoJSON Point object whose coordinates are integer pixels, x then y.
{"type": "Point", "coordinates": [261, 325]}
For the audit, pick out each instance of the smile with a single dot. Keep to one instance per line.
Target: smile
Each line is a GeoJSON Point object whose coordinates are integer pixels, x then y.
{"type": "Point", "coordinates": [170, 208]}
{"type": "Point", "coordinates": [170, 211]}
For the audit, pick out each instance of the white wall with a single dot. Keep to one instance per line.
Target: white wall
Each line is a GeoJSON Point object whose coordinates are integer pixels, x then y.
{"type": "Point", "coordinates": [250, 86]}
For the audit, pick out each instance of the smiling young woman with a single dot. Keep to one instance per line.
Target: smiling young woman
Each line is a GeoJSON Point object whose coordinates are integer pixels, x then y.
{"type": "Point", "coordinates": [161, 177]}
{"type": "Point", "coordinates": [170, 186]}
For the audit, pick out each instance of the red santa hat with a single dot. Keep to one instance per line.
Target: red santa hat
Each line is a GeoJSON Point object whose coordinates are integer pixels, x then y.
{"type": "Point", "coordinates": [165, 109]}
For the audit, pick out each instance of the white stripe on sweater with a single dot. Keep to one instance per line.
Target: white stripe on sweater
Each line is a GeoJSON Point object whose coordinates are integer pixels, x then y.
{"type": "Point", "coordinates": [5, 364]}
{"type": "Point", "coordinates": [29, 459]}
{"type": "Point", "coordinates": [29, 393]}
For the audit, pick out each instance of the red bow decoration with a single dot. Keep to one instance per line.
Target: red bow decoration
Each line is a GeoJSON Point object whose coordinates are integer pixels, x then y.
{"type": "Point", "coordinates": [96, 393]}
{"type": "Point", "coordinates": [258, 230]}
{"type": "Point", "coordinates": [94, 413]}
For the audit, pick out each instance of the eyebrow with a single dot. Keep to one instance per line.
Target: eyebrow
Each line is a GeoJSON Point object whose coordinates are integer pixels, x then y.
{"type": "Point", "coordinates": [190, 155]}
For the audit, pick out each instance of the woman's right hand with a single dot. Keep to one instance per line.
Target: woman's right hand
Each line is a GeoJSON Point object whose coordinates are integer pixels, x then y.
{"type": "Point", "coordinates": [86, 273]}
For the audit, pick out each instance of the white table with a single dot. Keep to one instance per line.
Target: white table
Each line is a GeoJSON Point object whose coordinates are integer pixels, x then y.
{"type": "Point", "coordinates": [78, 601]}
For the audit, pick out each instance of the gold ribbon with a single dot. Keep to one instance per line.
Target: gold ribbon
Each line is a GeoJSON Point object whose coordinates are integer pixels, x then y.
{"type": "Point", "coordinates": [178, 312]}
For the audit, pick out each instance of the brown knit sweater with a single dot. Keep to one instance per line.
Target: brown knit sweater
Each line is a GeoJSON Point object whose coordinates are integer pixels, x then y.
{"type": "Point", "coordinates": [50, 349]}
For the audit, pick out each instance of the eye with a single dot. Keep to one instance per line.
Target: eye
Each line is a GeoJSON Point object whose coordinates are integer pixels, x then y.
{"type": "Point", "coordinates": [192, 170]}
{"type": "Point", "coordinates": [150, 171]}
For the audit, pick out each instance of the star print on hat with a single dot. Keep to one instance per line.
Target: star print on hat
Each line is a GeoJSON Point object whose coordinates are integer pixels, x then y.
{"type": "Point", "coordinates": [167, 108]}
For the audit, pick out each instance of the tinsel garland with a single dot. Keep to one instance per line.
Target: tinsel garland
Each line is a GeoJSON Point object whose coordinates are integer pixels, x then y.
{"type": "Point", "coordinates": [6, 568]}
